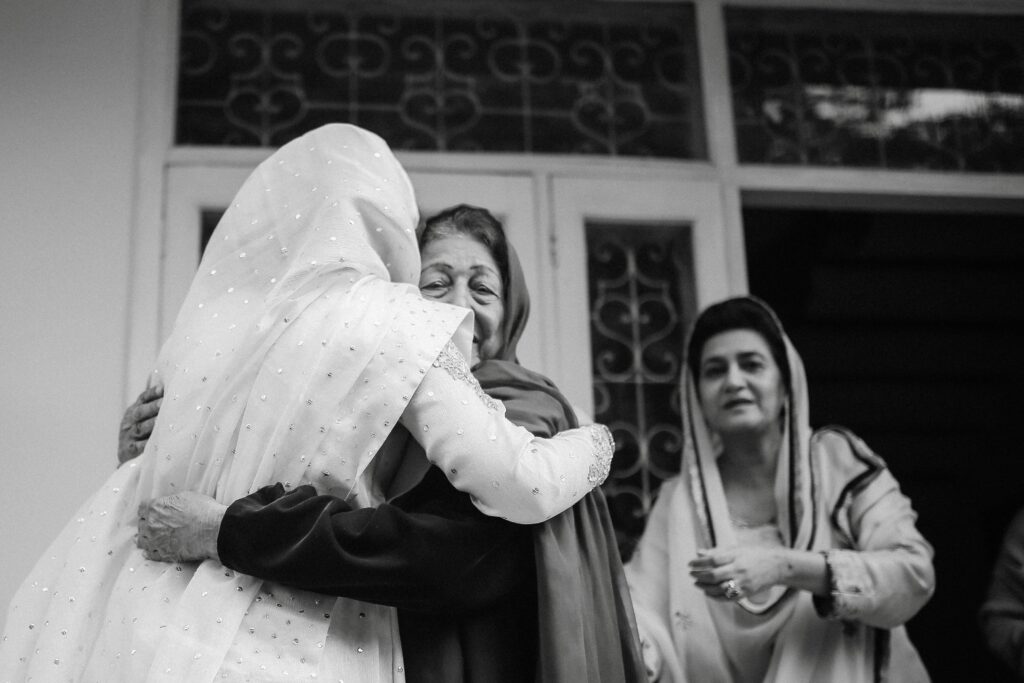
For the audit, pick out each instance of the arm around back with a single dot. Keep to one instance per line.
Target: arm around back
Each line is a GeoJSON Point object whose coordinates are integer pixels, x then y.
{"type": "Point", "coordinates": [508, 472]}
{"type": "Point", "coordinates": [429, 550]}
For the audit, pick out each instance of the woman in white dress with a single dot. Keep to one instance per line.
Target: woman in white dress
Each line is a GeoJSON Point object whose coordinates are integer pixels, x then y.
{"type": "Point", "coordinates": [779, 554]}
{"type": "Point", "coordinates": [303, 333]}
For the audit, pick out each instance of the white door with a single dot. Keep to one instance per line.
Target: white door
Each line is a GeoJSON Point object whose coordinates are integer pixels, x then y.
{"type": "Point", "coordinates": [580, 204]}
{"type": "Point", "coordinates": [634, 260]}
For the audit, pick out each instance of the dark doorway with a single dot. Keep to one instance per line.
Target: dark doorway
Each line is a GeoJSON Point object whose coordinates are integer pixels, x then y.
{"type": "Point", "coordinates": [911, 325]}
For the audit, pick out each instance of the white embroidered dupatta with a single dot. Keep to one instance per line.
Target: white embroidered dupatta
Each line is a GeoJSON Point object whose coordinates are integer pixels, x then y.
{"type": "Point", "coordinates": [299, 345]}
{"type": "Point", "coordinates": [691, 514]}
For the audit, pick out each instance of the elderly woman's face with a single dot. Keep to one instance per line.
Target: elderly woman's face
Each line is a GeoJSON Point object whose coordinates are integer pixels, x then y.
{"type": "Point", "coordinates": [460, 270]}
{"type": "Point", "coordinates": [740, 384]}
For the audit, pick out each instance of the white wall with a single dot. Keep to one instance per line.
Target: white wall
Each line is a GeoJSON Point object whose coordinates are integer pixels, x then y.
{"type": "Point", "coordinates": [69, 80]}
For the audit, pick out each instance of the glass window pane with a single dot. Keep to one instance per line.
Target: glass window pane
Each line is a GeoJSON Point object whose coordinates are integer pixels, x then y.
{"type": "Point", "coordinates": [641, 299]}
{"type": "Point", "coordinates": [606, 78]}
{"type": "Point", "coordinates": [901, 91]}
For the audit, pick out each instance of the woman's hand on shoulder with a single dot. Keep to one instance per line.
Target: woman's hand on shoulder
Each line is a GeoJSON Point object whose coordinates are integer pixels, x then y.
{"type": "Point", "coordinates": [137, 423]}
{"type": "Point", "coordinates": [750, 569]}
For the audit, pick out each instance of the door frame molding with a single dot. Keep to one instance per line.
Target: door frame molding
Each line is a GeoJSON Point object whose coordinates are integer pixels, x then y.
{"type": "Point", "coordinates": [576, 202]}
{"type": "Point", "coordinates": [157, 155]}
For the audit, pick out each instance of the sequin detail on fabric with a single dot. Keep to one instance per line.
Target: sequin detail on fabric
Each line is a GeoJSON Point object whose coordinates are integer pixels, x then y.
{"type": "Point", "coordinates": [455, 364]}
{"type": "Point", "coordinates": [604, 449]}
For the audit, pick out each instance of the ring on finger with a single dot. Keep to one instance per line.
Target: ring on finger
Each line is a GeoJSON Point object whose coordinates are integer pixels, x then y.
{"type": "Point", "coordinates": [731, 590]}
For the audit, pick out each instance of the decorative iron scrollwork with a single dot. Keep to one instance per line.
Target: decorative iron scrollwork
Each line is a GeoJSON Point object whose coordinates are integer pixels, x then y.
{"type": "Point", "coordinates": [827, 88]}
{"type": "Point", "coordinates": [590, 78]}
{"type": "Point", "coordinates": [641, 284]}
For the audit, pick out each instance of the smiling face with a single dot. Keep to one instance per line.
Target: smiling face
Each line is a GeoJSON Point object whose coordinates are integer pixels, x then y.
{"type": "Point", "coordinates": [740, 384]}
{"type": "Point", "coordinates": [460, 270]}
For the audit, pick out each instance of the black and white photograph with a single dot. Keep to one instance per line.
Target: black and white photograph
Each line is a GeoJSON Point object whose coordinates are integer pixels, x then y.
{"type": "Point", "coordinates": [512, 341]}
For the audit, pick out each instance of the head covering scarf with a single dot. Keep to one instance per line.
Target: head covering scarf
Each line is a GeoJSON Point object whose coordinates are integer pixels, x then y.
{"type": "Point", "coordinates": [503, 378]}
{"type": "Point", "coordinates": [517, 308]}
{"type": "Point", "coordinates": [298, 346]}
{"type": "Point", "coordinates": [694, 515]}
{"type": "Point", "coordinates": [794, 481]}
{"type": "Point", "coordinates": [305, 292]}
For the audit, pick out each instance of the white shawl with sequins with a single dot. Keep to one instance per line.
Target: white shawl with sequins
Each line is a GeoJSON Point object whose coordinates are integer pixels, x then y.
{"type": "Point", "coordinates": [295, 353]}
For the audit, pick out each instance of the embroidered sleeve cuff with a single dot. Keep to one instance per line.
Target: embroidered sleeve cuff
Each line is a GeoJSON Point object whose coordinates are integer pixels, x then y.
{"type": "Point", "coordinates": [454, 363]}
{"type": "Point", "coordinates": [849, 587]}
{"type": "Point", "coordinates": [604, 449]}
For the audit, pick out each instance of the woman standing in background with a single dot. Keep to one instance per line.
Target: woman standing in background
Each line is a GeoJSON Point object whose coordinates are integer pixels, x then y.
{"type": "Point", "coordinates": [779, 554]}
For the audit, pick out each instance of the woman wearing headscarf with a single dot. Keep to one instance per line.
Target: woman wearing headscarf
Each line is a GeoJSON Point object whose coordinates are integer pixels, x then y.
{"type": "Point", "coordinates": [302, 344]}
{"type": "Point", "coordinates": [478, 599]}
{"type": "Point", "coordinates": [586, 628]}
{"type": "Point", "coordinates": [778, 554]}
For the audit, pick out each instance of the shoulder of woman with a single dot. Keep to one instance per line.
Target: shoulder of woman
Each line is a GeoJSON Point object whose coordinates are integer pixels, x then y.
{"type": "Point", "coordinates": [531, 399]}
{"type": "Point", "coordinates": [844, 455]}
{"type": "Point", "coordinates": [509, 373]}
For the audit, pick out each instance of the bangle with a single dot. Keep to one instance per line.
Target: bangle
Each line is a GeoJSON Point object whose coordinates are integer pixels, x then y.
{"type": "Point", "coordinates": [825, 605]}
{"type": "Point", "coordinates": [830, 577]}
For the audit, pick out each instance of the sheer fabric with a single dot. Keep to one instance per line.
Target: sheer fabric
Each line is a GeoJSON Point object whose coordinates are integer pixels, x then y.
{"type": "Point", "coordinates": [296, 308]}
{"type": "Point", "coordinates": [297, 351]}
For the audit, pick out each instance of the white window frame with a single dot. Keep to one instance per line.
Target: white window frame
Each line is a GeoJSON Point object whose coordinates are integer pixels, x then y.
{"type": "Point", "coordinates": [790, 185]}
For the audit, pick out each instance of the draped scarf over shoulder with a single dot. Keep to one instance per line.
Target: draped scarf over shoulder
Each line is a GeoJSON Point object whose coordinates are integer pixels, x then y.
{"type": "Point", "coordinates": [781, 638]}
{"type": "Point", "coordinates": [586, 628]}
{"type": "Point", "coordinates": [694, 515]}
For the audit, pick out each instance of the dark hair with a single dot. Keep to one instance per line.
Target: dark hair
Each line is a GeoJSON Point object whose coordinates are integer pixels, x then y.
{"type": "Point", "coordinates": [737, 314]}
{"type": "Point", "coordinates": [474, 222]}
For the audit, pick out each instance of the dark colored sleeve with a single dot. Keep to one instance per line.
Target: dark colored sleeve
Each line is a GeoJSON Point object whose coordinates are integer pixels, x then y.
{"type": "Point", "coordinates": [1002, 614]}
{"type": "Point", "coordinates": [430, 550]}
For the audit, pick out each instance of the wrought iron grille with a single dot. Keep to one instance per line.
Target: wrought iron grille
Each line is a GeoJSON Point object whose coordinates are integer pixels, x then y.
{"type": "Point", "coordinates": [523, 76]}
{"type": "Point", "coordinates": [886, 90]}
{"type": "Point", "coordinates": [641, 297]}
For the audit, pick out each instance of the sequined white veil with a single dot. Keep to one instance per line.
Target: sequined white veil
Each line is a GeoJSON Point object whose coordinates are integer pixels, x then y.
{"type": "Point", "coordinates": [298, 347]}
